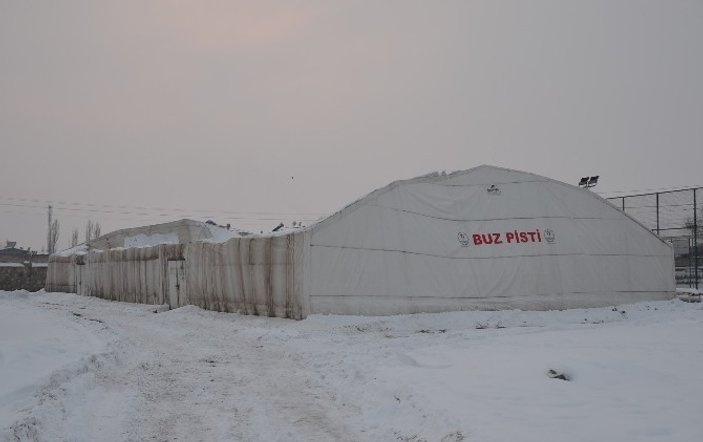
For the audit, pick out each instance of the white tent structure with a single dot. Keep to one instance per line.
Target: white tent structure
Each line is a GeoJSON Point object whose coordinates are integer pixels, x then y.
{"type": "Point", "coordinates": [484, 238]}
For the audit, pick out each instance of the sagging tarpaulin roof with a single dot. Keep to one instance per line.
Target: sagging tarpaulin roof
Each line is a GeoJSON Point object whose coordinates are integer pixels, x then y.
{"type": "Point", "coordinates": [175, 232]}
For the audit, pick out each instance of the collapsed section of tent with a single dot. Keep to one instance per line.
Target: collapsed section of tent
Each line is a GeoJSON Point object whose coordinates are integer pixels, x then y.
{"type": "Point", "coordinates": [486, 238]}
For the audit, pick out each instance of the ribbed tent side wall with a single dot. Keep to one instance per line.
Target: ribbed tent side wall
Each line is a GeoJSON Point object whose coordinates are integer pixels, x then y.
{"type": "Point", "coordinates": [60, 276]}
{"type": "Point", "coordinates": [256, 275]}
{"type": "Point", "coordinates": [136, 275]}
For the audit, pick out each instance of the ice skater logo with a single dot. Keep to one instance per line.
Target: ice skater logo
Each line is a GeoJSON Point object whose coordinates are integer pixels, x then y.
{"type": "Point", "coordinates": [463, 239]}
{"type": "Point", "coordinates": [549, 235]}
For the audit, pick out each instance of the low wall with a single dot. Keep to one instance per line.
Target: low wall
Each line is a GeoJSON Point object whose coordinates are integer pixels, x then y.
{"type": "Point", "coordinates": [22, 277]}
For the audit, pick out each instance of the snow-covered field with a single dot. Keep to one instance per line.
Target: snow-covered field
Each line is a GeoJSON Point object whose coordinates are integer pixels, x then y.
{"type": "Point", "coordinates": [82, 369]}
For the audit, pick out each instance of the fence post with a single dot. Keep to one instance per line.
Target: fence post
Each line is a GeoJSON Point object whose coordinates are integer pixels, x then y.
{"type": "Point", "coordinates": [657, 213]}
{"type": "Point", "coordinates": [695, 236]}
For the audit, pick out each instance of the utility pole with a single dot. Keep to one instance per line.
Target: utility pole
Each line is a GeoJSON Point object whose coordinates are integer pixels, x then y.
{"type": "Point", "coordinates": [48, 233]}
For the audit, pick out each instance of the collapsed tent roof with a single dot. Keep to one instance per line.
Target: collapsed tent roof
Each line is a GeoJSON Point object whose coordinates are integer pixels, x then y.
{"type": "Point", "coordinates": [176, 232]}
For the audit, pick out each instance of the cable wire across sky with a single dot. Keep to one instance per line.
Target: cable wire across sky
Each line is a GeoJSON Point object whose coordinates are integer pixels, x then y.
{"type": "Point", "coordinates": [162, 212]}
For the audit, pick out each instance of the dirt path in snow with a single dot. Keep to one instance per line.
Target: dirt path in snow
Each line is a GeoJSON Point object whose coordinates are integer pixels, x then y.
{"type": "Point", "coordinates": [167, 377]}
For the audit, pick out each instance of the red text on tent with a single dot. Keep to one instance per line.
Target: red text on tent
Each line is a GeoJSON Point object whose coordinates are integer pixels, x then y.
{"type": "Point", "coordinates": [512, 237]}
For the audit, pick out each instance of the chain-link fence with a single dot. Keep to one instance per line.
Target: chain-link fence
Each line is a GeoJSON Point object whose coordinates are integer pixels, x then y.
{"type": "Point", "coordinates": [675, 216]}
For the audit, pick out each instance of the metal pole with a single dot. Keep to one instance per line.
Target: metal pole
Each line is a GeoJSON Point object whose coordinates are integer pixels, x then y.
{"type": "Point", "coordinates": [623, 204]}
{"type": "Point", "coordinates": [695, 236]}
{"type": "Point", "coordinates": [48, 233]}
{"type": "Point", "coordinates": [657, 213]}
{"type": "Point", "coordinates": [690, 262]}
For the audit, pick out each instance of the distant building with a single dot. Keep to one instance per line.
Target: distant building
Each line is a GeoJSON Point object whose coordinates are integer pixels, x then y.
{"type": "Point", "coordinates": [22, 269]}
{"type": "Point", "coordinates": [11, 253]}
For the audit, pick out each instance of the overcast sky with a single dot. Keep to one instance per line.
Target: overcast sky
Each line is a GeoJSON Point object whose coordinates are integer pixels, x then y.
{"type": "Point", "coordinates": [299, 107]}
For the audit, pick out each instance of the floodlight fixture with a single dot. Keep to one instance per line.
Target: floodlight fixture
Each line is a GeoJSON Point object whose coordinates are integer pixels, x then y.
{"type": "Point", "coordinates": [588, 182]}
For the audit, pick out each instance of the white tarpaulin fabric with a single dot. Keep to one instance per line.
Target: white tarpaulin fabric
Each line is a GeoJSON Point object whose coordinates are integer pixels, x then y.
{"type": "Point", "coordinates": [485, 238]}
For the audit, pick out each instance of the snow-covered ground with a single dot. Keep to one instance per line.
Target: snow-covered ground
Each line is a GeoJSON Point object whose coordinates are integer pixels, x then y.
{"type": "Point", "coordinates": [84, 369]}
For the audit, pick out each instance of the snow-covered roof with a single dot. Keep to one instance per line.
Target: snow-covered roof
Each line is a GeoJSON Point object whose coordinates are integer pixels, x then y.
{"type": "Point", "coordinates": [11, 264]}
{"type": "Point", "coordinates": [482, 175]}
{"type": "Point", "coordinates": [176, 232]}
{"type": "Point", "coordinates": [80, 249]}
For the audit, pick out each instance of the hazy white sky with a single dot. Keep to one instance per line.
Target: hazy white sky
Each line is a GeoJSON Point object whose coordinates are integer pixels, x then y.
{"type": "Point", "coordinates": [215, 105]}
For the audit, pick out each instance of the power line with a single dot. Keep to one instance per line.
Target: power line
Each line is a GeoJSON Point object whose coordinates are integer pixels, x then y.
{"type": "Point", "coordinates": [155, 212]}
{"type": "Point", "coordinates": [76, 215]}
{"type": "Point", "coordinates": [32, 210]}
{"type": "Point", "coordinates": [129, 208]}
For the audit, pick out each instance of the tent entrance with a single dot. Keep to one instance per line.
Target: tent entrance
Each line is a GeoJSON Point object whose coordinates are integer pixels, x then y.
{"type": "Point", "coordinates": [177, 284]}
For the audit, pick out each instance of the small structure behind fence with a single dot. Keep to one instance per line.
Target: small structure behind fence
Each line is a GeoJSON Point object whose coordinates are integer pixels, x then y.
{"type": "Point", "coordinates": [674, 215]}
{"type": "Point", "coordinates": [22, 276]}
